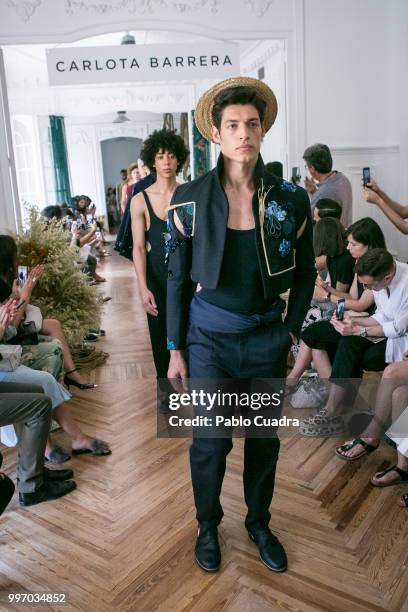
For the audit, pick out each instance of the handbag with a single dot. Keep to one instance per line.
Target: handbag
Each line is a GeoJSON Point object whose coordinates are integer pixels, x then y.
{"type": "Point", "coordinates": [33, 313]}
{"type": "Point", "coordinates": [10, 357]}
{"type": "Point", "coordinates": [26, 334]}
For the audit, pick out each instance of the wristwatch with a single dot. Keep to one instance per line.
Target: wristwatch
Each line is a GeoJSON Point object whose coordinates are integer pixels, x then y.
{"type": "Point", "coordinates": [363, 332]}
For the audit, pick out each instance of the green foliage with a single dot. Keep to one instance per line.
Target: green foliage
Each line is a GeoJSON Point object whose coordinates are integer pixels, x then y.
{"type": "Point", "coordinates": [63, 291]}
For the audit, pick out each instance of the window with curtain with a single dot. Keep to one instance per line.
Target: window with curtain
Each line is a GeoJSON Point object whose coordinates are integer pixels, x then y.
{"type": "Point", "coordinates": [60, 159]}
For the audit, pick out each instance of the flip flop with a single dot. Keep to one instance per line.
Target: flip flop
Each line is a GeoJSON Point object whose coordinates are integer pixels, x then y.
{"type": "Point", "coordinates": [367, 449]}
{"type": "Point", "coordinates": [98, 448]}
{"type": "Point", "coordinates": [403, 477]}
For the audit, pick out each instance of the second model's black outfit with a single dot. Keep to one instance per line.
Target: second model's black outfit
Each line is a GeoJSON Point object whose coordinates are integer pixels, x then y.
{"type": "Point", "coordinates": [233, 326]}
{"type": "Point", "coordinates": [156, 278]}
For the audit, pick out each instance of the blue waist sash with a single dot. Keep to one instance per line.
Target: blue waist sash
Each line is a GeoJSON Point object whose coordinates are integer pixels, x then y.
{"type": "Point", "coordinates": [215, 319]}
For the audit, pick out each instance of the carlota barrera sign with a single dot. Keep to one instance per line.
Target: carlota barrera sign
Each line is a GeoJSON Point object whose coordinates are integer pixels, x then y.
{"type": "Point", "coordinates": [127, 63]}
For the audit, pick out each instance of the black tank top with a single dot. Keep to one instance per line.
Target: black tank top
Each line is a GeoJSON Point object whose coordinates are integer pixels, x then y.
{"type": "Point", "coordinates": [156, 268]}
{"type": "Point", "coordinates": [240, 286]}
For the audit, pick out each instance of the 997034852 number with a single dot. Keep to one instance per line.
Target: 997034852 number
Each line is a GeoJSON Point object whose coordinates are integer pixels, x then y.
{"type": "Point", "coordinates": [34, 598]}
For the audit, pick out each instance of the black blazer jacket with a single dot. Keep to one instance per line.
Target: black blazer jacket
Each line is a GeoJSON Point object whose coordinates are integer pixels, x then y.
{"type": "Point", "coordinates": [284, 242]}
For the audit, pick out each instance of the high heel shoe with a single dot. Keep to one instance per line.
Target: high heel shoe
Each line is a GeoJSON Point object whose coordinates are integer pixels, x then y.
{"type": "Point", "coordinates": [70, 381]}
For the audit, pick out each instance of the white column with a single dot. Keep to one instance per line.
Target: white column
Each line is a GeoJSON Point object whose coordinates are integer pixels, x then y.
{"type": "Point", "coordinates": [10, 217]}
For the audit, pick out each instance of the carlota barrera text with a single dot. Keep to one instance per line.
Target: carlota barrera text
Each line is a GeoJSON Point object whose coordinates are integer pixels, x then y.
{"type": "Point", "coordinates": [126, 63]}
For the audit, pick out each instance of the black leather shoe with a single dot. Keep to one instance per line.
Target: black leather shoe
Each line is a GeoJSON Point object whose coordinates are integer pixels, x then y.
{"type": "Point", "coordinates": [271, 551]}
{"type": "Point", "coordinates": [207, 550]}
{"type": "Point", "coordinates": [50, 490]}
{"type": "Point", "coordinates": [57, 474]}
{"type": "Point", "coordinates": [6, 491]}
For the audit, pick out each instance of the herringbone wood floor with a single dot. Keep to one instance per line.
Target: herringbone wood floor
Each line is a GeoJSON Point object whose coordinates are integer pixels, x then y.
{"type": "Point", "coordinates": [124, 540]}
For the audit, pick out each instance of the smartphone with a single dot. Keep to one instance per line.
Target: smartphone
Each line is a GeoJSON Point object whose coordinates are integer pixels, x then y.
{"type": "Point", "coordinates": [89, 219]}
{"type": "Point", "coordinates": [366, 176]}
{"type": "Point", "coordinates": [68, 223]}
{"type": "Point", "coordinates": [98, 235]}
{"type": "Point", "coordinates": [22, 275]}
{"type": "Point", "coordinates": [296, 174]}
{"type": "Point", "coordinates": [340, 307]}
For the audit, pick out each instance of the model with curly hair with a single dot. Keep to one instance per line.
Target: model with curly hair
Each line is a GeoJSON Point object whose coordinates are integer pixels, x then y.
{"type": "Point", "coordinates": [165, 153]}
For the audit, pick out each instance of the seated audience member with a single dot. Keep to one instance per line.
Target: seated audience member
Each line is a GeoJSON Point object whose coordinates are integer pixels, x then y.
{"type": "Point", "coordinates": [330, 183]}
{"type": "Point", "coordinates": [87, 222]}
{"type": "Point", "coordinates": [29, 411]}
{"type": "Point", "coordinates": [391, 401]}
{"type": "Point", "coordinates": [326, 208]}
{"type": "Point", "coordinates": [80, 237]}
{"type": "Point", "coordinates": [52, 212]}
{"type": "Point", "coordinates": [388, 326]}
{"type": "Point", "coordinates": [49, 327]}
{"type": "Point", "coordinates": [331, 253]}
{"type": "Point", "coordinates": [396, 213]}
{"type": "Point", "coordinates": [275, 167]}
{"type": "Point", "coordinates": [81, 443]}
{"type": "Point", "coordinates": [319, 341]}
{"type": "Point", "coordinates": [398, 432]}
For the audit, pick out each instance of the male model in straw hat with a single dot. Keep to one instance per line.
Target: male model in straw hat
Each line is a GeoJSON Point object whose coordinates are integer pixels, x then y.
{"type": "Point", "coordinates": [238, 237]}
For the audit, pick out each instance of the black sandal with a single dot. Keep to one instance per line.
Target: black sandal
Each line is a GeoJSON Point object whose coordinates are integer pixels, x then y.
{"type": "Point", "coordinates": [367, 449]}
{"type": "Point", "coordinates": [99, 448]}
{"type": "Point", "coordinates": [403, 477]}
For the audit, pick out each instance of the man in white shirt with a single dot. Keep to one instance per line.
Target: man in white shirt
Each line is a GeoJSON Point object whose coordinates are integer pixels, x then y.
{"type": "Point", "coordinates": [368, 343]}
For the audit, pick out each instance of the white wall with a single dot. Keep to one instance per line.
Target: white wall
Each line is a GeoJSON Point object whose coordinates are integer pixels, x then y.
{"type": "Point", "coordinates": [271, 55]}
{"type": "Point", "coordinates": [84, 140]}
{"type": "Point", "coordinates": [355, 56]}
{"type": "Point", "coordinates": [118, 153]}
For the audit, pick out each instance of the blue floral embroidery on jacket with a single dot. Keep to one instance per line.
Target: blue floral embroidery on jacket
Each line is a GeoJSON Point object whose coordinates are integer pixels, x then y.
{"type": "Point", "coordinates": [274, 215]}
{"type": "Point", "coordinates": [171, 345]}
{"type": "Point", "coordinates": [186, 215]}
{"type": "Point", "coordinates": [284, 247]}
{"type": "Point", "coordinates": [170, 243]}
{"type": "Point", "coordinates": [286, 186]}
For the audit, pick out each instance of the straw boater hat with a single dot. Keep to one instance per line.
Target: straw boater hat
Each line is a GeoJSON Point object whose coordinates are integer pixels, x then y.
{"type": "Point", "coordinates": [205, 104]}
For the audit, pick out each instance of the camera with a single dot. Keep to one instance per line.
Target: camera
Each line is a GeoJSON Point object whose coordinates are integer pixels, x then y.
{"type": "Point", "coordinates": [22, 272]}
{"type": "Point", "coordinates": [340, 307]}
{"type": "Point", "coordinates": [366, 176]}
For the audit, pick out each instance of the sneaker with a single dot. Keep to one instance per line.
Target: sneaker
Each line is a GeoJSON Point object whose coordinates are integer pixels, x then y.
{"type": "Point", "coordinates": [311, 393]}
{"type": "Point", "coordinates": [321, 425]}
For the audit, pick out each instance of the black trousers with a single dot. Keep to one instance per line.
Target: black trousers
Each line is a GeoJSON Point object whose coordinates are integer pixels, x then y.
{"type": "Point", "coordinates": [261, 353]}
{"type": "Point", "coordinates": [158, 337]}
